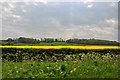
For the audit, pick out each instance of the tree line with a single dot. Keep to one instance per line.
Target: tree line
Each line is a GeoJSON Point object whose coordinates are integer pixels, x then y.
{"type": "Point", "coordinates": [11, 41]}
{"type": "Point", "coordinates": [92, 42]}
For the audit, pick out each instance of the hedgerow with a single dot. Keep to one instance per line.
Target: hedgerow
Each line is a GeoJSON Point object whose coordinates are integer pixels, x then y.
{"type": "Point", "coordinates": [53, 55]}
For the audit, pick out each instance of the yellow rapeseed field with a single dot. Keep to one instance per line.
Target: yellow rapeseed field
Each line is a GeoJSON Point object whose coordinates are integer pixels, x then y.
{"type": "Point", "coordinates": [59, 47]}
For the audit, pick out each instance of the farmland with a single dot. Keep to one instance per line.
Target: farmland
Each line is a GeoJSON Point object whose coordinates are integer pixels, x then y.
{"type": "Point", "coordinates": [58, 58]}
{"type": "Point", "coordinates": [60, 63]}
{"type": "Point", "coordinates": [47, 44]}
{"type": "Point", "coordinates": [60, 39]}
{"type": "Point", "coordinates": [22, 41]}
{"type": "Point", "coordinates": [60, 47]}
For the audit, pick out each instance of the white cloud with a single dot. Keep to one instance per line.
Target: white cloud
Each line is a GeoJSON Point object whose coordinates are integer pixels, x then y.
{"type": "Point", "coordinates": [42, 1]}
{"type": "Point", "coordinates": [104, 33]}
{"type": "Point", "coordinates": [53, 22]}
{"type": "Point", "coordinates": [111, 21]}
{"type": "Point", "coordinates": [86, 1]}
{"type": "Point", "coordinates": [113, 4]}
{"type": "Point", "coordinates": [16, 16]}
{"type": "Point", "coordinates": [8, 7]}
{"type": "Point", "coordinates": [11, 5]}
{"type": "Point", "coordinates": [13, 32]}
{"type": "Point", "coordinates": [27, 3]}
{"type": "Point", "coordinates": [24, 11]}
{"type": "Point", "coordinates": [35, 4]}
{"type": "Point", "coordinates": [8, 10]}
{"type": "Point", "coordinates": [90, 6]}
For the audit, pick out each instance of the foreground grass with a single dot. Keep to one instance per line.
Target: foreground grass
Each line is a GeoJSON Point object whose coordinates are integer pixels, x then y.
{"type": "Point", "coordinates": [71, 69]}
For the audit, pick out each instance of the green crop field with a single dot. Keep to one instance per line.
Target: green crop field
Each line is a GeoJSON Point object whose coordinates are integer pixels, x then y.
{"type": "Point", "coordinates": [55, 44]}
{"type": "Point", "coordinates": [47, 44]}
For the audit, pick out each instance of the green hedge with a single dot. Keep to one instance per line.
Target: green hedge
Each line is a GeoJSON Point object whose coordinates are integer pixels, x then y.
{"type": "Point", "coordinates": [19, 55]}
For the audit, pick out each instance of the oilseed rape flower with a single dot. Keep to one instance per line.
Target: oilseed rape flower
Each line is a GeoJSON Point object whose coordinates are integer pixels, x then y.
{"type": "Point", "coordinates": [59, 47]}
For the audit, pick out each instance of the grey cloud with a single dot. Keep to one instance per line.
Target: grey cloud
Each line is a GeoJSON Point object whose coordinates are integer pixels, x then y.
{"type": "Point", "coordinates": [65, 20]}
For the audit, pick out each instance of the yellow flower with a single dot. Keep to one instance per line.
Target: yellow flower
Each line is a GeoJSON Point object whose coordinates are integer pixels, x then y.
{"type": "Point", "coordinates": [59, 47]}
{"type": "Point", "coordinates": [71, 71]}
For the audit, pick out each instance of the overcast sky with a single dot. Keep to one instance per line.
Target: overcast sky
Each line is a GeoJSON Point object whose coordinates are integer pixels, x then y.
{"type": "Point", "coordinates": [65, 20]}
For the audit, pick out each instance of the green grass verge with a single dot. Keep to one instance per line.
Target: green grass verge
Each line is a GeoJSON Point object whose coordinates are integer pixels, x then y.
{"type": "Point", "coordinates": [71, 69]}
